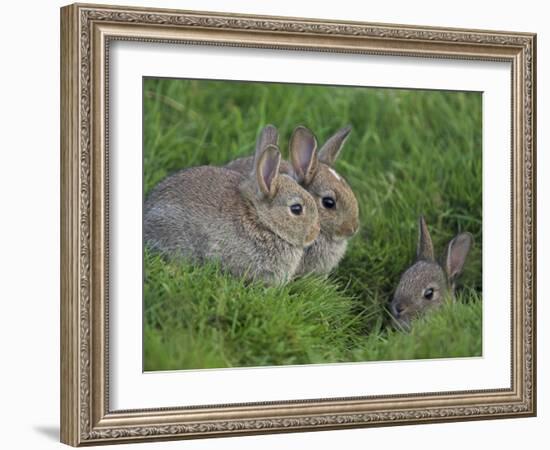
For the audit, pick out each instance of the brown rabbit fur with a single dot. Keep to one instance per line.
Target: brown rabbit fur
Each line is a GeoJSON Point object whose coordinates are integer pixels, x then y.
{"type": "Point", "coordinates": [336, 203]}
{"type": "Point", "coordinates": [427, 283]}
{"type": "Point", "coordinates": [248, 224]}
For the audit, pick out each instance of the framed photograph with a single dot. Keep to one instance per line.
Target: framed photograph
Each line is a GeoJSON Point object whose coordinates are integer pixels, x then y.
{"type": "Point", "coordinates": [275, 224]}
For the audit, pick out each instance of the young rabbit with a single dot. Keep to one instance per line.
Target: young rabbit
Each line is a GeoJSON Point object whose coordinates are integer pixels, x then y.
{"type": "Point", "coordinates": [426, 284]}
{"type": "Point", "coordinates": [255, 226]}
{"type": "Point", "coordinates": [337, 205]}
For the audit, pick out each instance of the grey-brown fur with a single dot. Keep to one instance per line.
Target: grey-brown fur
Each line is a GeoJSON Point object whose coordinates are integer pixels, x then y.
{"type": "Point", "coordinates": [427, 283]}
{"type": "Point", "coordinates": [245, 223]}
{"type": "Point", "coordinates": [313, 170]}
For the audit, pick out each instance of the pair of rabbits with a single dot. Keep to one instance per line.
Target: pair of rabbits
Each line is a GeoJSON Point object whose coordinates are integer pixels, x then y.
{"type": "Point", "coordinates": [261, 217]}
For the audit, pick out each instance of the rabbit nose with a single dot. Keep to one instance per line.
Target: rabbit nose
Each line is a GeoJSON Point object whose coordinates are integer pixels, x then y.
{"type": "Point", "coordinates": [349, 229]}
{"type": "Point", "coordinates": [397, 309]}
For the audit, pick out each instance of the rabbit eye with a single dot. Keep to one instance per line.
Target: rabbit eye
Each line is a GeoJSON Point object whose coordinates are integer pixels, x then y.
{"type": "Point", "coordinates": [428, 294]}
{"type": "Point", "coordinates": [328, 202]}
{"type": "Point", "coordinates": [296, 209]}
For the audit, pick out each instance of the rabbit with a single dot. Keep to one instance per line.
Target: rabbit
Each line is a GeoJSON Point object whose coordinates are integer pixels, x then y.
{"type": "Point", "coordinates": [427, 283]}
{"type": "Point", "coordinates": [255, 226]}
{"type": "Point", "coordinates": [336, 202]}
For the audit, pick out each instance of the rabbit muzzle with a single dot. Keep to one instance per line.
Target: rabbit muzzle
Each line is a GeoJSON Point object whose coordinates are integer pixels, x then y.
{"type": "Point", "coordinates": [313, 234]}
{"type": "Point", "coordinates": [349, 229]}
{"type": "Point", "coordinates": [399, 311]}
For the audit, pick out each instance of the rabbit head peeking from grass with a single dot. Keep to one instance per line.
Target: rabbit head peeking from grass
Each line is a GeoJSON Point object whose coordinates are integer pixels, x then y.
{"type": "Point", "coordinates": [426, 284]}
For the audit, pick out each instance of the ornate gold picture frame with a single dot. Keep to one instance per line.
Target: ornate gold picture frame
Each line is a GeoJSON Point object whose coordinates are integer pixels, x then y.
{"type": "Point", "coordinates": [87, 32]}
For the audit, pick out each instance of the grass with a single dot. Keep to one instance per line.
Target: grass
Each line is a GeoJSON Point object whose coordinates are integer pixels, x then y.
{"type": "Point", "coordinates": [411, 152]}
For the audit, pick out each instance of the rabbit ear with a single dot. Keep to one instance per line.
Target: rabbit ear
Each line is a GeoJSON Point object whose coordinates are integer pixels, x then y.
{"type": "Point", "coordinates": [456, 254]}
{"type": "Point", "coordinates": [425, 248]}
{"type": "Point", "coordinates": [267, 170]}
{"type": "Point", "coordinates": [268, 136]}
{"type": "Point", "coordinates": [303, 147]}
{"type": "Point", "coordinates": [330, 151]}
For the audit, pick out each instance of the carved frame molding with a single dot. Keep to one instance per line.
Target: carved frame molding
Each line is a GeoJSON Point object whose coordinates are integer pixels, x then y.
{"type": "Point", "coordinates": [86, 32]}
